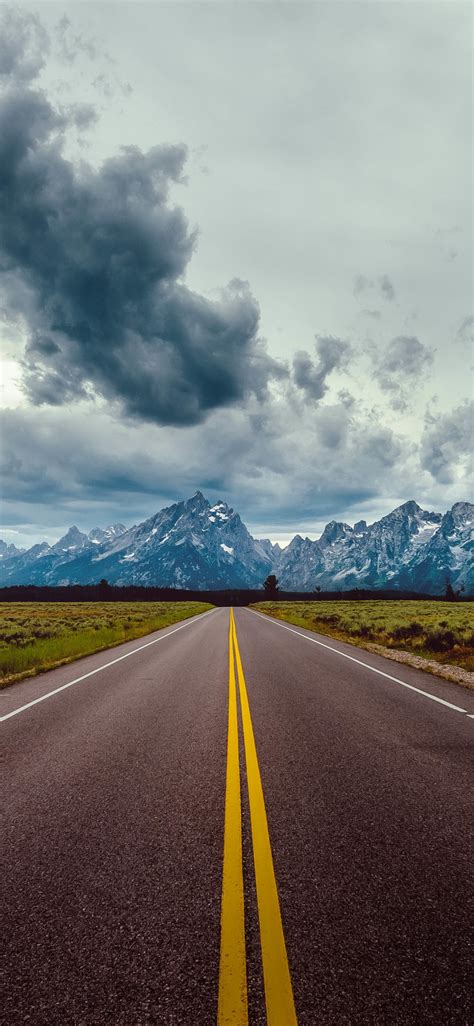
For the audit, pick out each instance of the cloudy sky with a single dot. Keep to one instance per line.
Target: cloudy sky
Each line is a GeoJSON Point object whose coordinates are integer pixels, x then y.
{"type": "Point", "coordinates": [235, 255]}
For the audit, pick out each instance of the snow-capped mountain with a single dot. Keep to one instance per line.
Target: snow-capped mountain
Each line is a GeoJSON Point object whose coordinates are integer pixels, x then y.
{"type": "Point", "coordinates": [448, 553]}
{"type": "Point", "coordinates": [363, 556]}
{"type": "Point", "coordinates": [189, 545]}
{"type": "Point", "coordinates": [98, 535]}
{"type": "Point", "coordinates": [23, 568]}
{"type": "Point", "coordinates": [9, 551]}
{"type": "Point", "coordinates": [194, 544]}
{"type": "Point", "coordinates": [271, 549]}
{"type": "Point", "coordinates": [302, 561]}
{"type": "Point", "coordinates": [72, 543]}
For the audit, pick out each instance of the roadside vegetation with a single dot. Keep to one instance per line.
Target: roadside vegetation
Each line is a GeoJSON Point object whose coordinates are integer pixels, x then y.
{"type": "Point", "coordinates": [37, 636]}
{"type": "Point", "coordinates": [442, 632]}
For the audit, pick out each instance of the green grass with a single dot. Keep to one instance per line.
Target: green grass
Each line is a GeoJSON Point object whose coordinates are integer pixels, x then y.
{"type": "Point", "coordinates": [440, 631]}
{"type": "Point", "coordinates": [37, 636]}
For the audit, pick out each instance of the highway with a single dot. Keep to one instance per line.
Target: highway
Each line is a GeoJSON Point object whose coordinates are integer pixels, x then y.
{"type": "Point", "coordinates": [236, 822]}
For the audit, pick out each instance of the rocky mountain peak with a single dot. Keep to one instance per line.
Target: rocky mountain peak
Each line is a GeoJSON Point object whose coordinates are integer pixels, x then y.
{"type": "Point", "coordinates": [73, 539]}
{"type": "Point", "coordinates": [272, 550]}
{"type": "Point", "coordinates": [197, 501]}
{"type": "Point", "coordinates": [39, 549]}
{"type": "Point", "coordinates": [463, 512]}
{"type": "Point", "coordinates": [408, 510]}
{"type": "Point", "coordinates": [295, 543]}
{"type": "Point", "coordinates": [360, 527]}
{"type": "Point", "coordinates": [99, 534]}
{"type": "Point", "coordinates": [8, 550]}
{"type": "Point", "coordinates": [458, 519]}
{"type": "Point", "coordinates": [333, 532]}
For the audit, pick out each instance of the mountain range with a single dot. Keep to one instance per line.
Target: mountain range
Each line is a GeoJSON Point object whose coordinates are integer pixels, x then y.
{"type": "Point", "coordinates": [193, 544]}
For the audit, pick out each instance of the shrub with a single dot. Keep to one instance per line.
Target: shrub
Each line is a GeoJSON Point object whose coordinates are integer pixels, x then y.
{"type": "Point", "coordinates": [412, 630]}
{"type": "Point", "coordinates": [364, 631]}
{"type": "Point", "coordinates": [440, 641]}
{"type": "Point", "coordinates": [332, 620]}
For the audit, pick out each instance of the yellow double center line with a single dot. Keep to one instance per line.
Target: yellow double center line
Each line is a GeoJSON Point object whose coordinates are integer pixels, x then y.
{"type": "Point", "coordinates": [233, 1002]}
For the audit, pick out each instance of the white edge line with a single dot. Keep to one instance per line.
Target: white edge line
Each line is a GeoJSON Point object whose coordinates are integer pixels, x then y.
{"type": "Point", "coordinates": [105, 666]}
{"type": "Point", "coordinates": [367, 666]}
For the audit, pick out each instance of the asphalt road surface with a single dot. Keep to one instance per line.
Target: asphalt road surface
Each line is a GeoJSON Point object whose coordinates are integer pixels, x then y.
{"type": "Point", "coordinates": [236, 824]}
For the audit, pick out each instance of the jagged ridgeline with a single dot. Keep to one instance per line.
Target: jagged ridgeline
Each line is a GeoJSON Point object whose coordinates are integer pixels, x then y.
{"type": "Point", "coordinates": [197, 545]}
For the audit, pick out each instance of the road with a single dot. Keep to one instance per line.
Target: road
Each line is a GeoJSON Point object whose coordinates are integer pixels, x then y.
{"type": "Point", "coordinates": [215, 800]}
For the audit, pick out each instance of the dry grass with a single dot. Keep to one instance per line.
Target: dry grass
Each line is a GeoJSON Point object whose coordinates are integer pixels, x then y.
{"type": "Point", "coordinates": [37, 636]}
{"type": "Point", "coordinates": [441, 632]}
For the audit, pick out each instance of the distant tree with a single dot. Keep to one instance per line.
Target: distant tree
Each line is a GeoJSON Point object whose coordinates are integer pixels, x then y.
{"type": "Point", "coordinates": [450, 594]}
{"type": "Point", "coordinates": [317, 589]}
{"type": "Point", "coordinates": [104, 587]}
{"type": "Point", "coordinates": [270, 586]}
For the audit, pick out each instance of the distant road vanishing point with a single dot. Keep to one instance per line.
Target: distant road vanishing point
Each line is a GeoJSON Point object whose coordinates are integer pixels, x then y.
{"type": "Point", "coordinates": [234, 821]}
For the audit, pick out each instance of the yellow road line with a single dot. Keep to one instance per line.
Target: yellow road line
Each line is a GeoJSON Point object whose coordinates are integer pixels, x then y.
{"type": "Point", "coordinates": [232, 1001]}
{"type": "Point", "coordinates": [279, 1000]}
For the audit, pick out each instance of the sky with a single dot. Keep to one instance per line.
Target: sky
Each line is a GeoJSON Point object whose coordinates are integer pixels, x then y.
{"type": "Point", "coordinates": [236, 256]}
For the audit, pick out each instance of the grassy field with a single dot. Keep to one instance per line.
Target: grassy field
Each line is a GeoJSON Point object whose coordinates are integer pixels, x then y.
{"type": "Point", "coordinates": [439, 631]}
{"type": "Point", "coordinates": [37, 636]}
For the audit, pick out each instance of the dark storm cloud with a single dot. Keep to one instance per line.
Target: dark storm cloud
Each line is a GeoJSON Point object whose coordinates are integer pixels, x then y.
{"type": "Point", "coordinates": [405, 355]}
{"type": "Point", "coordinates": [401, 366]}
{"type": "Point", "coordinates": [446, 443]}
{"type": "Point", "coordinates": [311, 377]}
{"type": "Point", "coordinates": [102, 255]}
{"type": "Point", "coordinates": [382, 447]}
{"type": "Point", "coordinates": [287, 472]}
{"type": "Point", "coordinates": [332, 426]}
{"type": "Point", "coordinates": [36, 464]}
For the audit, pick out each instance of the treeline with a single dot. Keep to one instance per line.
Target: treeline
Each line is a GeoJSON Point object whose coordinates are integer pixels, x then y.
{"type": "Point", "coordinates": [105, 592]}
